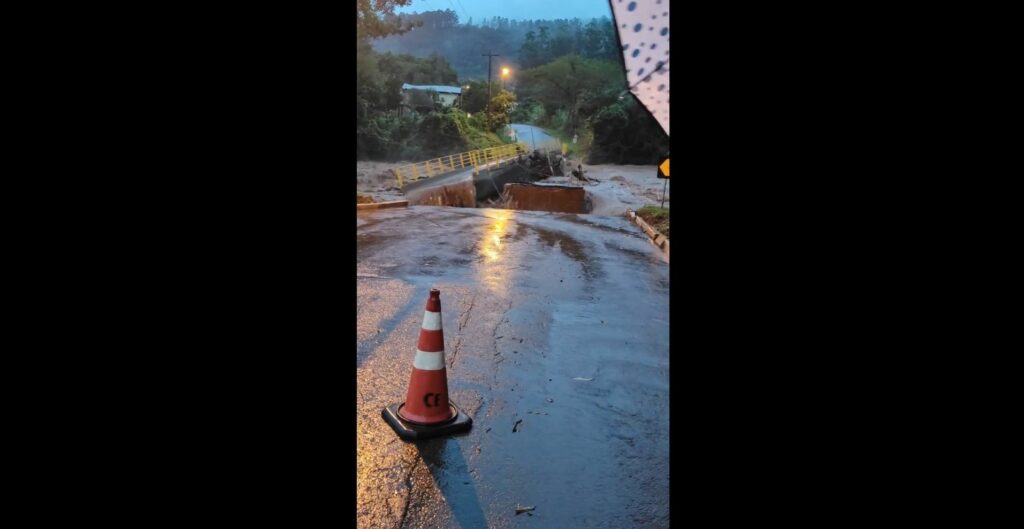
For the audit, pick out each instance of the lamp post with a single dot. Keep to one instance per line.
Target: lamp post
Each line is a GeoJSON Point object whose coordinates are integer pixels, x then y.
{"type": "Point", "coordinates": [504, 75]}
{"type": "Point", "coordinates": [487, 109]}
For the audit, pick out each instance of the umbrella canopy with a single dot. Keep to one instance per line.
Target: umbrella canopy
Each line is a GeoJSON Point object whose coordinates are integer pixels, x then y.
{"type": "Point", "coordinates": [643, 29]}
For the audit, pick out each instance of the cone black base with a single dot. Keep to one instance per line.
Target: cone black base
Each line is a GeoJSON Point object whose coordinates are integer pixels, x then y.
{"type": "Point", "coordinates": [415, 432]}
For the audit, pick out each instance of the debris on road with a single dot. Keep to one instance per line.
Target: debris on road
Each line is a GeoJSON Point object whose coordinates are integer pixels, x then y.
{"type": "Point", "coordinates": [515, 427]}
{"type": "Point", "coordinates": [583, 379]}
{"type": "Point", "coordinates": [520, 509]}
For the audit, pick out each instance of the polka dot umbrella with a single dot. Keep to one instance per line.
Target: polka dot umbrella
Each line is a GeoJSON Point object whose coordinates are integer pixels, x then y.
{"type": "Point", "coordinates": [643, 29]}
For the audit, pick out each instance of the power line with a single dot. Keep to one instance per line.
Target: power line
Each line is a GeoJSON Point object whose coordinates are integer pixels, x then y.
{"type": "Point", "coordinates": [460, 5]}
{"type": "Point", "coordinates": [463, 8]}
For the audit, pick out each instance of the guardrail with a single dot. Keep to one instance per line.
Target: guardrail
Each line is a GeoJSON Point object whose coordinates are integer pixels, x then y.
{"type": "Point", "coordinates": [447, 164]}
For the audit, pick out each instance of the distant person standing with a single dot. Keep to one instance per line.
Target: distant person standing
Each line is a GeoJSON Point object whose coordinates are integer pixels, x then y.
{"type": "Point", "coordinates": [578, 172]}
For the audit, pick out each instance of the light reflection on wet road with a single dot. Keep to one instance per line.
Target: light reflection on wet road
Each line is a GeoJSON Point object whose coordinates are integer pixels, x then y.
{"type": "Point", "coordinates": [531, 302]}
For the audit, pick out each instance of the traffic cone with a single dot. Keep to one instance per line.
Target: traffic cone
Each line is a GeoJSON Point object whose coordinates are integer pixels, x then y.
{"type": "Point", "coordinates": [426, 411]}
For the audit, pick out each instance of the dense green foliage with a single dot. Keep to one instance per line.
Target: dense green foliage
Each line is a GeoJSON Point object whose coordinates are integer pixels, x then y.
{"type": "Point", "coordinates": [519, 43]}
{"type": "Point", "coordinates": [567, 77]}
{"type": "Point", "coordinates": [415, 137]}
{"type": "Point", "coordinates": [625, 133]}
{"type": "Point", "coordinates": [376, 18]}
{"type": "Point", "coordinates": [574, 85]}
{"type": "Point", "coordinates": [656, 217]}
{"type": "Point", "coordinates": [416, 127]}
{"type": "Point", "coordinates": [587, 99]}
{"type": "Point", "coordinates": [474, 96]}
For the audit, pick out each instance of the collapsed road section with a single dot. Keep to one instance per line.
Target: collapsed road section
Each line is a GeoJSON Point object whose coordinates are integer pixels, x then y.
{"type": "Point", "coordinates": [556, 198]}
{"type": "Point", "coordinates": [490, 187]}
{"type": "Point", "coordinates": [527, 169]}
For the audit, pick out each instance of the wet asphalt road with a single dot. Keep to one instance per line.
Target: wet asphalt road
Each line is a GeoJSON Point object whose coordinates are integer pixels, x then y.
{"type": "Point", "coordinates": [535, 137]}
{"type": "Point", "coordinates": [530, 302]}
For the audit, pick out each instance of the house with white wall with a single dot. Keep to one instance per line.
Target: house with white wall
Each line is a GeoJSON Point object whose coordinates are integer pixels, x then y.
{"type": "Point", "coordinates": [445, 95]}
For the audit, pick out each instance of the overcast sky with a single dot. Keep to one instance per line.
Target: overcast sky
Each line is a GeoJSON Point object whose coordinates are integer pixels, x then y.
{"type": "Point", "coordinates": [514, 9]}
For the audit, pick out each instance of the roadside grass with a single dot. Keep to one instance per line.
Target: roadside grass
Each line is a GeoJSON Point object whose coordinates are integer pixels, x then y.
{"type": "Point", "coordinates": [656, 217]}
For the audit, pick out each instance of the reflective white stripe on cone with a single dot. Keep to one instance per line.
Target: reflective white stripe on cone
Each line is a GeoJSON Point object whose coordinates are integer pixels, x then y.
{"type": "Point", "coordinates": [432, 321]}
{"type": "Point", "coordinates": [426, 361]}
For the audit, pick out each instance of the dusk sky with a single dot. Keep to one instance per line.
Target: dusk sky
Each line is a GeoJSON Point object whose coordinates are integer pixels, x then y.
{"type": "Point", "coordinates": [514, 9]}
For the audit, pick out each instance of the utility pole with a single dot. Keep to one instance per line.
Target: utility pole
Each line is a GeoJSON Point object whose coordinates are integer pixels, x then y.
{"type": "Point", "coordinates": [489, 56]}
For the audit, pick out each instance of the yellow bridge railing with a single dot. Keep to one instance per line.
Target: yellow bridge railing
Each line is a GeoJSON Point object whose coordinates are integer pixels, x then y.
{"type": "Point", "coordinates": [447, 164]}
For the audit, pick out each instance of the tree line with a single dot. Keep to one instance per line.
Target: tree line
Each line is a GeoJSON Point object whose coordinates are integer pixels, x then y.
{"type": "Point", "coordinates": [568, 78]}
{"type": "Point", "coordinates": [519, 43]}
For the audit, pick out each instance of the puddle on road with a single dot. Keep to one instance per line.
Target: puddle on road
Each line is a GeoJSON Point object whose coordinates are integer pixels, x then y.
{"type": "Point", "coordinates": [569, 246]}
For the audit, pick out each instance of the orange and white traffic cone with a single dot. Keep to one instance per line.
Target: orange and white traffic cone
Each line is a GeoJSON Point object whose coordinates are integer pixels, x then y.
{"type": "Point", "coordinates": [426, 411]}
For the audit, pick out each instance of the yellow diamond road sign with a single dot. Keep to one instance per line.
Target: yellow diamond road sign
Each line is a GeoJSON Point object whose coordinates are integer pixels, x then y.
{"type": "Point", "coordinates": [663, 169]}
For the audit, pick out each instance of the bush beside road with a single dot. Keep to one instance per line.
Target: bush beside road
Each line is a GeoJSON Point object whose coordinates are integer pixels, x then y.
{"type": "Point", "coordinates": [657, 217]}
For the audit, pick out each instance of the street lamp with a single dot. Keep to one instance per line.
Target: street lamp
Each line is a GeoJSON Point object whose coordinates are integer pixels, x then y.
{"type": "Point", "coordinates": [504, 74]}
